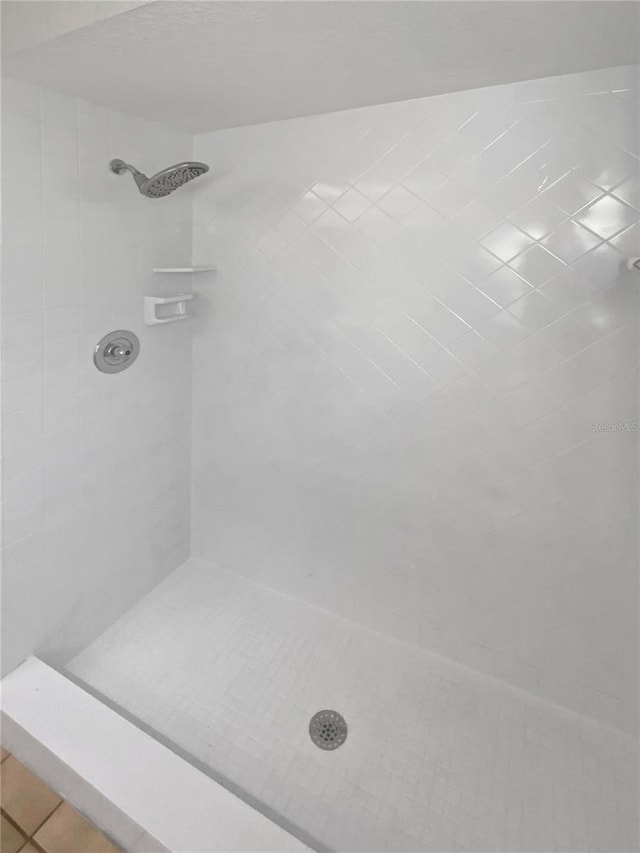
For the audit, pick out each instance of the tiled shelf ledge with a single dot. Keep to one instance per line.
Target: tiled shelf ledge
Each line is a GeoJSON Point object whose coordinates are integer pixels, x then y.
{"type": "Point", "coordinates": [184, 269]}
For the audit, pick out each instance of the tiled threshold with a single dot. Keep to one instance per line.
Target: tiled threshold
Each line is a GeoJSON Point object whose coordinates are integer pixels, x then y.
{"type": "Point", "coordinates": [34, 818]}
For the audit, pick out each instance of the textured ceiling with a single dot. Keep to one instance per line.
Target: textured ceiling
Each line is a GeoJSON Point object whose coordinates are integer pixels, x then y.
{"type": "Point", "coordinates": [209, 65]}
{"type": "Point", "coordinates": [27, 24]}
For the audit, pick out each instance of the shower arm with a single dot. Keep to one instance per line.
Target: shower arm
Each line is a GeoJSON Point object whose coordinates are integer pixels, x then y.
{"type": "Point", "coordinates": [120, 167]}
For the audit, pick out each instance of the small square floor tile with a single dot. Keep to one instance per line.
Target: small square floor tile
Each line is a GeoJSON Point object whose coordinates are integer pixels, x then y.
{"type": "Point", "coordinates": [24, 797]}
{"type": "Point", "coordinates": [66, 831]}
{"type": "Point", "coordinates": [11, 839]}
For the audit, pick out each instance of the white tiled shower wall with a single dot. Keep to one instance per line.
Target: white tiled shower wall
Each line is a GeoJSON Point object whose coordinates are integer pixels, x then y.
{"type": "Point", "coordinates": [420, 312]}
{"type": "Point", "coordinates": [96, 467]}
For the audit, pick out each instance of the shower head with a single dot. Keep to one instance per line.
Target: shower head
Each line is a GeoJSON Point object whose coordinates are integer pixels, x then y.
{"type": "Point", "coordinates": [163, 182]}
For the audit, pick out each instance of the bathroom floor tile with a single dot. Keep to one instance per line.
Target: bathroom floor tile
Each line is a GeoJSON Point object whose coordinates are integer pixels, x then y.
{"type": "Point", "coordinates": [66, 831]}
{"type": "Point", "coordinates": [11, 839]}
{"type": "Point", "coordinates": [24, 797]}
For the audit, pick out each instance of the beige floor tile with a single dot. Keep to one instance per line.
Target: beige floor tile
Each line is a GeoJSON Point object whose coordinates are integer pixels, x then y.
{"type": "Point", "coordinates": [11, 839]}
{"type": "Point", "coordinates": [4, 753]}
{"type": "Point", "coordinates": [24, 797]}
{"type": "Point", "coordinates": [29, 848]}
{"type": "Point", "coordinates": [66, 831]}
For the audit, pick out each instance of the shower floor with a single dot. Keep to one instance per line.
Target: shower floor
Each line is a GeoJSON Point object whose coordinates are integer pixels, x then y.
{"type": "Point", "coordinates": [437, 758]}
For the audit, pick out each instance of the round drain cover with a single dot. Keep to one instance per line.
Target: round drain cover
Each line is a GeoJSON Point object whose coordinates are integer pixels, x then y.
{"type": "Point", "coordinates": [328, 729]}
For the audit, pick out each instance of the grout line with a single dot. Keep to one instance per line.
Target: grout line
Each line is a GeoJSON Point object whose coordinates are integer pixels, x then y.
{"type": "Point", "coordinates": [8, 817]}
{"type": "Point", "coordinates": [29, 838]}
{"type": "Point", "coordinates": [39, 827]}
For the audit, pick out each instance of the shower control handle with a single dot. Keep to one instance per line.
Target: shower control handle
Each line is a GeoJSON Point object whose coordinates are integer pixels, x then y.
{"type": "Point", "coordinates": [116, 351]}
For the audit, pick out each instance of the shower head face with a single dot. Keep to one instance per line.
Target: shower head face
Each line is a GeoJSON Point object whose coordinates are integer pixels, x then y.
{"type": "Point", "coordinates": [168, 180]}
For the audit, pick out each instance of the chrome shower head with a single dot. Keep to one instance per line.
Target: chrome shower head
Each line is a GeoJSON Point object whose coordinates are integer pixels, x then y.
{"type": "Point", "coordinates": [163, 182]}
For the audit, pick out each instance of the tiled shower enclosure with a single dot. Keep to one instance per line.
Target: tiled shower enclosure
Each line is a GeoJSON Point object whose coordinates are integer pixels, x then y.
{"type": "Point", "coordinates": [388, 468]}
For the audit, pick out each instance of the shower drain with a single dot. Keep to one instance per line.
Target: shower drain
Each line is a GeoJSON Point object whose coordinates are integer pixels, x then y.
{"type": "Point", "coordinates": [328, 729]}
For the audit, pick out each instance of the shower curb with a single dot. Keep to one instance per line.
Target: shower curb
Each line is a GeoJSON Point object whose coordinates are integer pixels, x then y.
{"type": "Point", "coordinates": [136, 790]}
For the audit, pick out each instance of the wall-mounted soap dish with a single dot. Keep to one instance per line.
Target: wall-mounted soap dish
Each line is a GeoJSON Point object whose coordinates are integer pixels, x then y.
{"type": "Point", "coordinates": [159, 310]}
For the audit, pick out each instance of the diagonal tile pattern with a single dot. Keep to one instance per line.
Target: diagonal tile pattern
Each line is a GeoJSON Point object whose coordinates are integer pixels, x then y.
{"type": "Point", "coordinates": [420, 331]}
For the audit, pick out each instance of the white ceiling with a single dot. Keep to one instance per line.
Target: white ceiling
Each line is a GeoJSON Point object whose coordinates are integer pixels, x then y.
{"type": "Point", "coordinates": [208, 65]}
{"type": "Point", "coordinates": [25, 24]}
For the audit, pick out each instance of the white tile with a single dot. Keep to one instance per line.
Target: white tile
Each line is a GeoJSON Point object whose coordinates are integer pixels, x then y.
{"type": "Point", "coordinates": [504, 286]}
{"type": "Point", "coordinates": [536, 266]}
{"type": "Point", "coordinates": [352, 204]}
{"type": "Point", "coordinates": [442, 324]}
{"type": "Point", "coordinates": [474, 306]}
{"type": "Point", "coordinates": [405, 373]}
{"type": "Point", "coordinates": [290, 226]}
{"type": "Point", "coordinates": [20, 97]}
{"type": "Point", "coordinates": [538, 218]}
{"type": "Point", "coordinates": [18, 521]}
{"type": "Point", "coordinates": [477, 219]}
{"type": "Point", "coordinates": [609, 168]}
{"type": "Point", "coordinates": [22, 394]}
{"type": "Point", "coordinates": [475, 263]}
{"type": "Point", "coordinates": [399, 202]}
{"type": "Point", "coordinates": [424, 179]}
{"type": "Point", "coordinates": [506, 242]}
{"type": "Point", "coordinates": [534, 310]}
{"type": "Point", "coordinates": [310, 207]}
{"type": "Point", "coordinates": [60, 139]}
{"type": "Point", "coordinates": [612, 309]}
{"type": "Point", "coordinates": [502, 330]}
{"type": "Point", "coordinates": [472, 350]}
{"type": "Point", "coordinates": [572, 193]}
{"type": "Point", "coordinates": [270, 244]}
{"type": "Point", "coordinates": [444, 368]}
{"type": "Point", "coordinates": [58, 108]}
{"type": "Point", "coordinates": [629, 191]}
{"type": "Point", "coordinates": [94, 133]}
{"type": "Point", "coordinates": [627, 241]}
{"type": "Point", "coordinates": [568, 289]}
{"type": "Point", "coordinates": [424, 222]}
{"type": "Point", "coordinates": [24, 328]}
{"type": "Point", "coordinates": [328, 191]}
{"type": "Point", "coordinates": [23, 457]}
{"type": "Point", "coordinates": [607, 217]}
{"type": "Point", "coordinates": [450, 199]}
{"type": "Point", "coordinates": [21, 362]}
{"type": "Point", "coordinates": [446, 285]}
{"type": "Point", "coordinates": [603, 266]}
{"type": "Point", "coordinates": [21, 276]}
{"type": "Point", "coordinates": [26, 490]}
{"type": "Point", "coordinates": [569, 241]}
{"type": "Point", "coordinates": [407, 335]}
{"type": "Point", "coordinates": [389, 170]}
{"type": "Point", "coordinates": [22, 425]}
{"type": "Point", "coordinates": [570, 334]}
